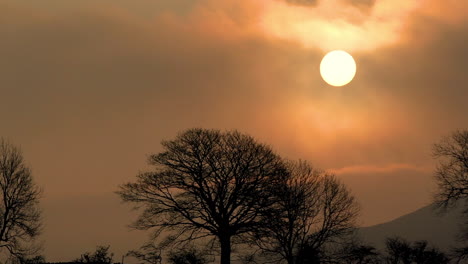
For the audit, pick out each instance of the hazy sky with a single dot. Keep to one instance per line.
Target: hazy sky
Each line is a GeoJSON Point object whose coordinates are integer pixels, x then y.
{"type": "Point", "coordinates": [89, 88]}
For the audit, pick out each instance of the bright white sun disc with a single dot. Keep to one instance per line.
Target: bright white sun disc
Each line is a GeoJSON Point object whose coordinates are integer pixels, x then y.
{"type": "Point", "coordinates": [338, 68]}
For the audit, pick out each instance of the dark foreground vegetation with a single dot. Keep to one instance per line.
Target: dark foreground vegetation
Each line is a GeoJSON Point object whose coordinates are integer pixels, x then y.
{"type": "Point", "coordinates": [222, 196]}
{"type": "Point", "coordinates": [397, 251]}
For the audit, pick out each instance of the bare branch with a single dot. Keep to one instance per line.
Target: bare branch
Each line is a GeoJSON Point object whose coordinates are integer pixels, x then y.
{"type": "Point", "coordinates": [451, 174]}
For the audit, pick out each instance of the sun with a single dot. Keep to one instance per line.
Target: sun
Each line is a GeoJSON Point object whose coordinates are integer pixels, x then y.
{"type": "Point", "coordinates": [338, 68]}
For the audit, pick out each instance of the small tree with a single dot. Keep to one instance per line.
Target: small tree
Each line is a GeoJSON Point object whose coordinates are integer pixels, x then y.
{"type": "Point", "coordinates": [19, 203]}
{"type": "Point", "coordinates": [423, 254]}
{"type": "Point", "coordinates": [101, 255]}
{"type": "Point", "coordinates": [206, 183]}
{"type": "Point", "coordinates": [311, 208]}
{"type": "Point", "coordinates": [355, 251]}
{"type": "Point", "coordinates": [362, 254]}
{"type": "Point", "coordinates": [399, 251]}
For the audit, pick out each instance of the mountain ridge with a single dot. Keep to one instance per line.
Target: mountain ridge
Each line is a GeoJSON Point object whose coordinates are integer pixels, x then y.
{"type": "Point", "coordinates": [426, 223]}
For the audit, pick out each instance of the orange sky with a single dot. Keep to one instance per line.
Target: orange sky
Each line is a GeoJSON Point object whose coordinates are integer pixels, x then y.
{"type": "Point", "coordinates": [90, 88]}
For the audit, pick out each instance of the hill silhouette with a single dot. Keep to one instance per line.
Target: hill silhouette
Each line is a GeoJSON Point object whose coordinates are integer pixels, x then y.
{"type": "Point", "coordinates": [440, 230]}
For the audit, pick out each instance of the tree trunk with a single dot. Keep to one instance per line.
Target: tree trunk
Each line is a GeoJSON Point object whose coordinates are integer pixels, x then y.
{"type": "Point", "coordinates": [289, 254]}
{"type": "Point", "coordinates": [225, 249]}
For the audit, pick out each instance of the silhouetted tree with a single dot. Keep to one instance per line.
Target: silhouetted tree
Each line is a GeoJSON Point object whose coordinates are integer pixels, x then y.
{"type": "Point", "coordinates": [452, 178]}
{"type": "Point", "coordinates": [187, 256]}
{"type": "Point", "coordinates": [401, 251]}
{"type": "Point", "coordinates": [452, 171]}
{"type": "Point", "coordinates": [363, 255]}
{"type": "Point", "coordinates": [101, 255]}
{"type": "Point", "coordinates": [311, 208]}
{"type": "Point", "coordinates": [423, 254]}
{"type": "Point", "coordinates": [206, 183]}
{"type": "Point", "coordinates": [355, 252]}
{"type": "Point", "coordinates": [19, 200]}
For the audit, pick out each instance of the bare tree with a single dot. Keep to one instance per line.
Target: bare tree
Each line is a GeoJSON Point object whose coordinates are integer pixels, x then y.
{"type": "Point", "coordinates": [399, 251]}
{"type": "Point", "coordinates": [19, 200]}
{"type": "Point", "coordinates": [205, 183]}
{"type": "Point", "coordinates": [451, 176]}
{"type": "Point", "coordinates": [312, 208]}
{"type": "Point", "coordinates": [100, 256]}
{"type": "Point", "coordinates": [452, 171]}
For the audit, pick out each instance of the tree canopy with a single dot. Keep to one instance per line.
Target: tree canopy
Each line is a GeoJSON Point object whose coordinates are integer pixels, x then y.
{"type": "Point", "coordinates": [206, 183]}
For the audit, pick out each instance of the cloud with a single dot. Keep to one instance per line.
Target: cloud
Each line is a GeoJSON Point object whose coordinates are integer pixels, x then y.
{"type": "Point", "coordinates": [335, 24]}
{"type": "Point", "coordinates": [425, 75]}
{"type": "Point", "coordinates": [357, 3]}
{"type": "Point", "coordinates": [380, 169]}
{"type": "Point", "coordinates": [363, 3]}
{"type": "Point", "coordinates": [353, 25]}
{"type": "Point", "coordinates": [303, 2]}
{"type": "Point", "coordinates": [450, 12]}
